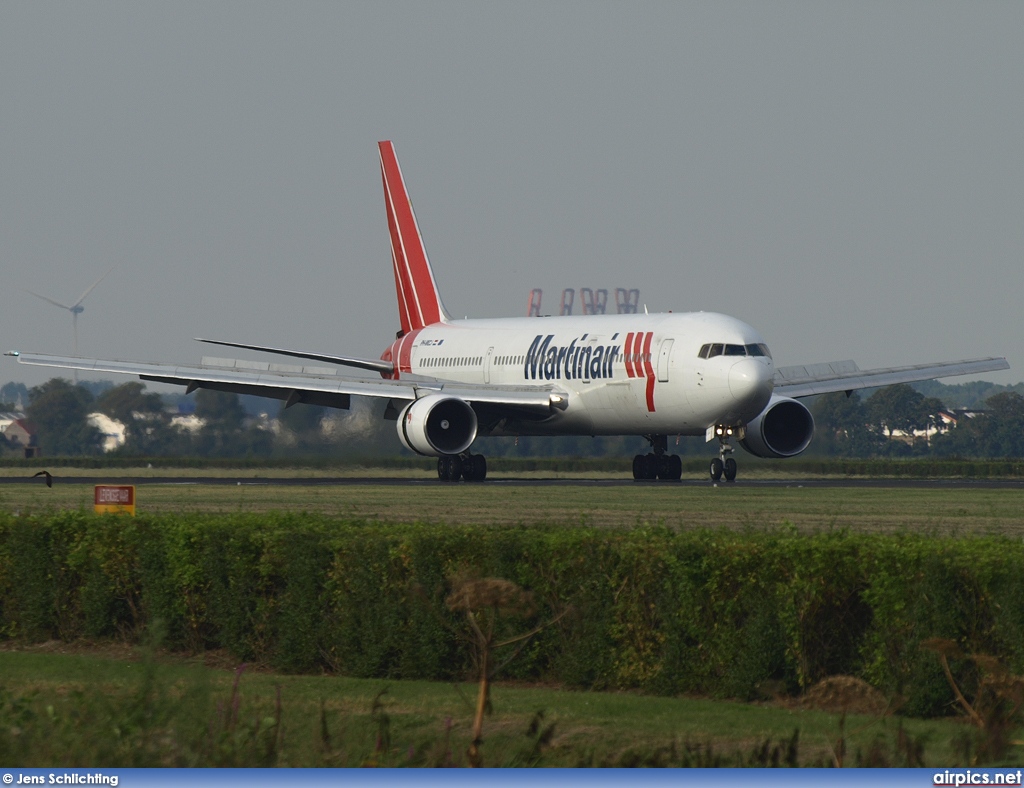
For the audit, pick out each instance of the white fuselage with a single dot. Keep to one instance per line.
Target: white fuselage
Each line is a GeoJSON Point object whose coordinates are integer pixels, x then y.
{"type": "Point", "coordinates": [621, 374]}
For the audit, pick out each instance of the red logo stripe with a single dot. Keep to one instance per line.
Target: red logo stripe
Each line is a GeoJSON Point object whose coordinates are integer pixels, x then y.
{"type": "Point", "coordinates": [649, 370]}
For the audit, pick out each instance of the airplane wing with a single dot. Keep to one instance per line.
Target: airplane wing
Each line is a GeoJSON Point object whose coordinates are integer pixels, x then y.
{"type": "Point", "coordinates": [310, 385]}
{"type": "Point", "coordinates": [846, 376]}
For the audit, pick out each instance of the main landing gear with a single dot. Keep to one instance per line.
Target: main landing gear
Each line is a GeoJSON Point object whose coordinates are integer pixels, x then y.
{"type": "Point", "coordinates": [723, 464]}
{"type": "Point", "coordinates": [658, 464]}
{"type": "Point", "coordinates": [453, 467]}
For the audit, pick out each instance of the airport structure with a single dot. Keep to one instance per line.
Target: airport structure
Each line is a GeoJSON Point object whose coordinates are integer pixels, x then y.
{"type": "Point", "coordinates": [594, 302]}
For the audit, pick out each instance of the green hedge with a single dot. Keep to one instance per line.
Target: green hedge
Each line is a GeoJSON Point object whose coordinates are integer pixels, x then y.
{"type": "Point", "coordinates": [720, 613]}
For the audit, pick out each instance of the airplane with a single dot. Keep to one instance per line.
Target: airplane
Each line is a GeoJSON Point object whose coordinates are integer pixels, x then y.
{"type": "Point", "coordinates": [448, 381]}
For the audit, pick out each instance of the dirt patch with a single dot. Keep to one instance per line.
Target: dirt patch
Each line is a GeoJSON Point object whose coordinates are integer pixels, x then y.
{"type": "Point", "coordinates": [845, 695]}
{"type": "Point", "coordinates": [218, 659]}
{"type": "Point", "coordinates": [109, 649]}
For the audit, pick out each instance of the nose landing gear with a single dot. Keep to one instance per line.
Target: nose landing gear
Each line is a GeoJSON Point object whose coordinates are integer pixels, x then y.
{"type": "Point", "coordinates": [723, 464]}
{"type": "Point", "coordinates": [658, 464]}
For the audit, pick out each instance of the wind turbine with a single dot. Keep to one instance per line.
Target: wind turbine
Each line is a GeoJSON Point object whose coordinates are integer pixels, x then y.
{"type": "Point", "coordinates": [76, 308]}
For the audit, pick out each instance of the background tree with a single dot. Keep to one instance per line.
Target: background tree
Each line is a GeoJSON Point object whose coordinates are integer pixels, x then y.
{"type": "Point", "coordinates": [220, 409]}
{"type": "Point", "coordinates": [996, 432]}
{"type": "Point", "coordinates": [129, 401]}
{"type": "Point", "coordinates": [59, 413]}
{"type": "Point", "coordinates": [10, 393]}
{"type": "Point", "coordinates": [897, 407]}
{"type": "Point", "coordinates": [931, 407]}
{"type": "Point", "coordinates": [148, 430]}
{"type": "Point", "coordinates": [224, 433]}
{"type": "Point", "coordinates": [1004, 425]}
{"type": "Point", "coordinates": [841, 426]}
{"type": "Point", "coordinates": [304, 424]}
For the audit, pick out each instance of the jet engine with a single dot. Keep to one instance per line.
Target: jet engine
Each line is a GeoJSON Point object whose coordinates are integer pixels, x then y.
{"type": "Point", "coordinates": [783, 429]}
{"type": "Point", "coordinates": [435, 425]}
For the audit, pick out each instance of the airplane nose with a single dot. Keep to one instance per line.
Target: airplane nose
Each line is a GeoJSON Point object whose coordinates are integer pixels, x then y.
{"type": "Point", "coordinates": [750, 380]}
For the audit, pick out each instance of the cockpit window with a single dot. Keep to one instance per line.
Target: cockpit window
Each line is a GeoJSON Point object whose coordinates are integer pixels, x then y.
{"type": "Point", "coordinates": [712, 350]}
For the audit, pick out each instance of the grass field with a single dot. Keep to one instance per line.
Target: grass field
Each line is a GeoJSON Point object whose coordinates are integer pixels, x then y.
{"type": "Point", "coordinates": [420, 723]}
{"type": "Point", "coordinates": [955, 511]}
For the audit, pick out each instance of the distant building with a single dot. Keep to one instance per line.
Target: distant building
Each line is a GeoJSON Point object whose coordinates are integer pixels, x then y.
{"type": "Point", "coordinates": [20, 434]}
{"type": "Point", "coordinates": [188, 423]}
{"type": "Point", "coordinates": [112, 430]}
{"type": "Point", "coordinates": [7, 419]}
{"type": "Point", "coordinates": [945, 421]}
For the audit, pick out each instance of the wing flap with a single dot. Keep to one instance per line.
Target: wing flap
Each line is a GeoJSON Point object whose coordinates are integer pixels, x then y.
{"type": "Point", "coordinates": [845, 376]}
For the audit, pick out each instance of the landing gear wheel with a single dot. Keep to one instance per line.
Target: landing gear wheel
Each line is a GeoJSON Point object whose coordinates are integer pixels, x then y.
{"type": "Point", "coordinates": [717, 467]}
{"type": "Point", "coordinates": [730, 470]}
{"type": "Point", "coordinates": [449, 469]}
{"type": "Point", "coordinates": [646, 467]}
{"type": "Point", "coordinates": [474, 468]}
{"type": "Point", "coordinates": [670, 467]}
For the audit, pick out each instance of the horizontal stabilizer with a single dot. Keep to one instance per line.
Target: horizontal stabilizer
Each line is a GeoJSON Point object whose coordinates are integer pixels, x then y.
{"type": "Point", "coordinates": [374, 365]}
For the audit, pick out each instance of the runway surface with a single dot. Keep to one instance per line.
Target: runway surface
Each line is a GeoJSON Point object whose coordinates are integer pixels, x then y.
{"type": "Point", "coordinates": [510, 481]}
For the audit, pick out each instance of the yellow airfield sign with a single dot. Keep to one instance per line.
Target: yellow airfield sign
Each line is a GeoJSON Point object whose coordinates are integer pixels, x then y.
{"type": "Point", "coordinates": [114, 498]}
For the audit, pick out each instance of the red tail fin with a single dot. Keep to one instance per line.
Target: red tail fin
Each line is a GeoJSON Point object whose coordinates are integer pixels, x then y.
{"type": "Point", "coordinates": [419, 304]}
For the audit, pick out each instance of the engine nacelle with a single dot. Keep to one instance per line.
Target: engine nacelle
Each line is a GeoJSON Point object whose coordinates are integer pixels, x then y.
{"type": "Point", "coordinates": [436, 424]}
{"type": "Point", "coordinates": [783, 429]}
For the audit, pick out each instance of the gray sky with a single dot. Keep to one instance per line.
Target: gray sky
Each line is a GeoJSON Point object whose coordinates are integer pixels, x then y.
{"type": "Point", "coordinates": [846, 177]}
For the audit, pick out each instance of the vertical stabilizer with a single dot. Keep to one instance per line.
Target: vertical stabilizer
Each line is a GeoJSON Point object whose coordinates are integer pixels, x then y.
{"type": "Point", "coordinates": [419, 303]}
